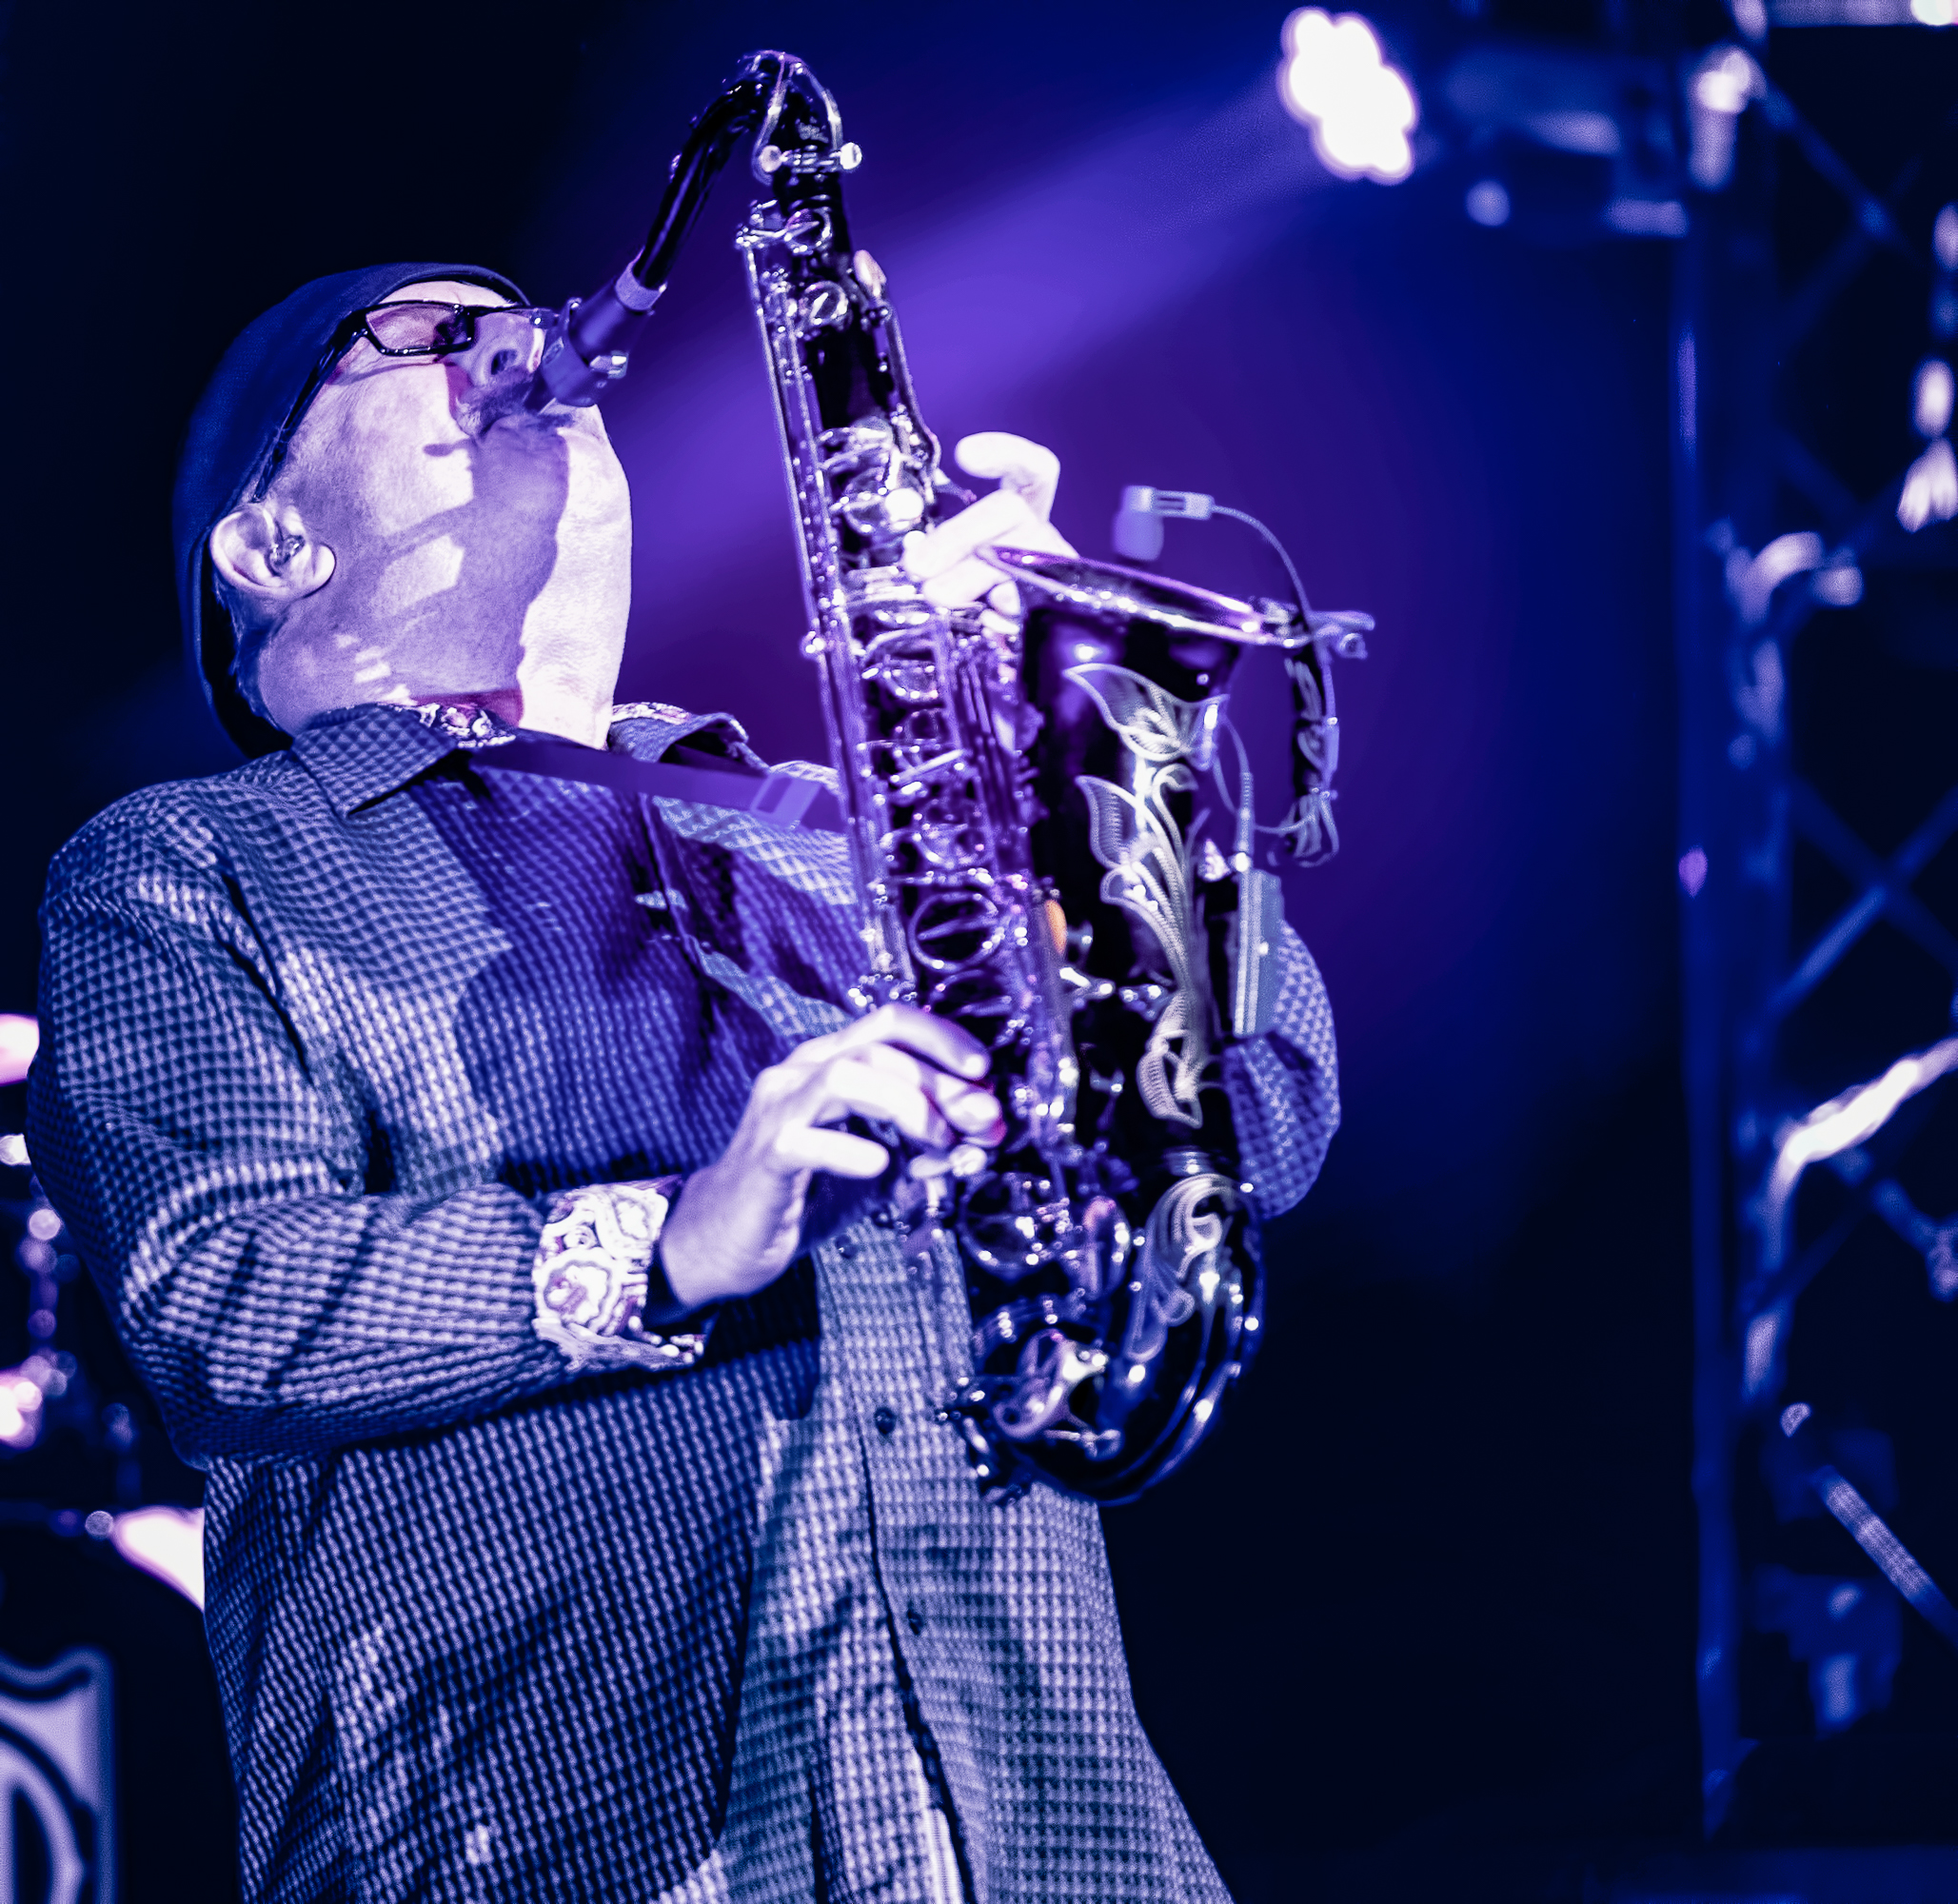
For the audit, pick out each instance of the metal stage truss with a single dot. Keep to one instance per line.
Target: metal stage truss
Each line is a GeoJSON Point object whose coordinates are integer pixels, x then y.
{"type": "Point", "coordinates": [1817, 638]}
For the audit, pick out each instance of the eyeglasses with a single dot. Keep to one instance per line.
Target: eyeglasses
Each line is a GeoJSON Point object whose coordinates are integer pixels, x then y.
{"type": "Point", "coordinates": [417, 329]}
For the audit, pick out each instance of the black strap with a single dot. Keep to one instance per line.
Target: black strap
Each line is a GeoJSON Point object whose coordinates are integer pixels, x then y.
{"type": "Point", "coordinates": [781, 799]}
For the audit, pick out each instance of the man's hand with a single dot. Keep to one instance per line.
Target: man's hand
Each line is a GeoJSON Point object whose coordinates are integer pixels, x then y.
{"type": "Point", "coordinates": [738, 1222]}
{"type": "Point", "coordinates": [943, 559]}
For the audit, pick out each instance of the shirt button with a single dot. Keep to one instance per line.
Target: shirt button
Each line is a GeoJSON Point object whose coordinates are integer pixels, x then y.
{"type": "Point", "coordinates": [846, 1251]}
{"type": "Point", "coordinates": [914, 1619]}
{"type": "Point", "coordinates": [886, 1420]}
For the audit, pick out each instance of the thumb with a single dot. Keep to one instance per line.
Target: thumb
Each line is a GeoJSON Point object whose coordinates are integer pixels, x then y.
{"type": "Point", "coordinates": [1029, 471]}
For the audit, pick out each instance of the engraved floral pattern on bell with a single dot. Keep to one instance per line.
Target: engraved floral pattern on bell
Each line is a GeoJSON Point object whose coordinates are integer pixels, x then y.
{"type": "Point", "coordinates": [1178, 1271]}
{"type": "Point", "coordinates": [1135, 835]}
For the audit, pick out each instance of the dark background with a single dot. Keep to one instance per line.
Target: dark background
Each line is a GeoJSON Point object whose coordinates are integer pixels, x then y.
{"type": "Point", "coordinates": [1432, 1584]}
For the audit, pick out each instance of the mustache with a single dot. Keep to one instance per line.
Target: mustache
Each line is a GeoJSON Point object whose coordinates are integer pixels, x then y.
{"type": "Point", "coordinates": [488, 406]}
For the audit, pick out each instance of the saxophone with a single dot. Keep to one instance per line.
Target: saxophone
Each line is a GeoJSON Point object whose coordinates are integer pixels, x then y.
{"type": "Point", "coordinates": [1029, 860]}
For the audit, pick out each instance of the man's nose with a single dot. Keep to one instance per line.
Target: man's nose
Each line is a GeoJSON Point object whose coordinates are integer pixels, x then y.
{"type": "Point", "coordinates": [507, 345]}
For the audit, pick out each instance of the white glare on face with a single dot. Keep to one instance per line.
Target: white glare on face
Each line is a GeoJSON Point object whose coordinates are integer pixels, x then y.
{"type": "Point", "coordinates": [1359, 109]}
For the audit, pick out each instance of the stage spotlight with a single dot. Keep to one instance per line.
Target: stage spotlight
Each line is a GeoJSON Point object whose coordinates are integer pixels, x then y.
{"type": "Point", "coordinates": [1360, 111]}
{"type": "Point", "coordinates": [1933, 12]}
{"type": "Point", "coordinates": [1489, 203]}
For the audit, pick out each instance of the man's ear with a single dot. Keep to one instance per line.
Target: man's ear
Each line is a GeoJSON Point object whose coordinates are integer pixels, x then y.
{"type": "Point", "coordinates": [264, 551]}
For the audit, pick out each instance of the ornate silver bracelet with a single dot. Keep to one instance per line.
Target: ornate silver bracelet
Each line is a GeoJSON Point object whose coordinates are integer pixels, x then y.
{"type": "Point", "coordinates": [597, 1279]}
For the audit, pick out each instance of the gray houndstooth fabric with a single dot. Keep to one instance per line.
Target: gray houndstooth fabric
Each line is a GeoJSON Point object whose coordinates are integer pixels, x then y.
{"type": "Point", "coordinates": [323, 1036]}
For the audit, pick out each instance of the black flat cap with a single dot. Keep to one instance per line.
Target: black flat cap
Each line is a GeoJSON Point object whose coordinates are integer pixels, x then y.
{"type": "Point", "coordinates": [237, 433]}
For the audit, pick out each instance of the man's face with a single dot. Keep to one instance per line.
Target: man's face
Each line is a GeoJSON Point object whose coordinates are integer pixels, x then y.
{"type": "Point", "coordinates": [473, 540]}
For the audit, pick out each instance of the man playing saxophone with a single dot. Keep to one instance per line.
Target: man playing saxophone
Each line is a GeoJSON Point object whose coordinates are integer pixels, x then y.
{"type": "Point", "coordinates": [478, 1166]}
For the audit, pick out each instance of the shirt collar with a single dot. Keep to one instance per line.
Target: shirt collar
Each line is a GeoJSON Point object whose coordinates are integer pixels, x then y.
{"type": "Point", "coordinates": [645, 730]}
{"type": "Point", "coordinates": [360, 755]}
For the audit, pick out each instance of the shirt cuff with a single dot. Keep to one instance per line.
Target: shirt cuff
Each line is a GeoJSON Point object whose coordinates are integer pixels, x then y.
{"type": "Point", "coordinates": [599, 1283]}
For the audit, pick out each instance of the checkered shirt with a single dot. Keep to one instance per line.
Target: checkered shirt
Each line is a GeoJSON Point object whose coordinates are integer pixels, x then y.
{"type": "Point", "coordinates": [325, 1038]}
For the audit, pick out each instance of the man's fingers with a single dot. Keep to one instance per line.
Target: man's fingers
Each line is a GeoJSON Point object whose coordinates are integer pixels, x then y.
{"type": "Point", "coordinates": [945, 560]}
{"type": "Point", "coordinates": [970, 1106]}
{"type": "Point", "coordinates": [928, 1107]}
{"type": "Point", "coordinates": [975, 578]}
{"type": "Point", "coordinates": [841, 1153]}
{"type": "Point", "coordinates": [1000, 517]}
{"type": "Point", "coordinates": [977, 581]}
{"type": "Point", "coordinates": [1028, 469]}
{"type": "Point", "coordinates": [849, 1087]}
{"type": "Point", "coordinates": [944, 1043]}
{"type": "Point", "coordinates": [1042, 536]}
{"type": "Point", "coordinates": [969, 581]}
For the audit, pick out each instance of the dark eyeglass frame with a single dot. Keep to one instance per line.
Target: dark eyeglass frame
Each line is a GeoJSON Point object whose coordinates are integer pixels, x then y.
{"type": "Point", "coordinates": [360, 323]}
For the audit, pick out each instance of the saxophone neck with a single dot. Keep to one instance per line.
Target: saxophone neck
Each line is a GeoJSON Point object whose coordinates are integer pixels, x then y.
{"type": "Point", "coordinates": [796, 127]}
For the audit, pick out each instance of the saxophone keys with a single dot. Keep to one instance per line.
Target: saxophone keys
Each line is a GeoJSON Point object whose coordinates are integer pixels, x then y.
{"type": "Point", "coordinates": [869, 274]}
{"type": "Point", "coordinates": [807, 230]}
{"type": "Point", "coordinates": [824, 307]}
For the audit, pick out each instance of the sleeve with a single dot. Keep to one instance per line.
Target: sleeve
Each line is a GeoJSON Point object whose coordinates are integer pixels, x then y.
{"type": "Point", "coordinates": [1284, 1085]}
{"type": "Point", "coordinates": [217, 1187]}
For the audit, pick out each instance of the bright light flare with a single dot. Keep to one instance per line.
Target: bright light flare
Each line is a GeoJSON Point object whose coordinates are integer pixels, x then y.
{"type": "Point", "coordinates": [1944, 238]}
{"type": "Point", "coordinates": [1930, 488]}
{"type": "Point", "coordinates": [167, 1542]}
{"type": "Point", "coordinates": [1829, 1129]}
{"type": "Point", "coordinates": [1360, 111]}
{"type": "Point", "coordinates": [1717, 94]}
{"type": "Point", "coordinates": [1930, 398]}
{"type": "Point", "coordinates": [1726, 80]}
{"type": "Point", "coordinates": [20, 1037]}
{"type": "Point", "coordinates": [20, 1414]}
{"type": "Point", "coordinates": [1488, 203]}
{"type": "Point", "coordinates": [1752, 580]}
